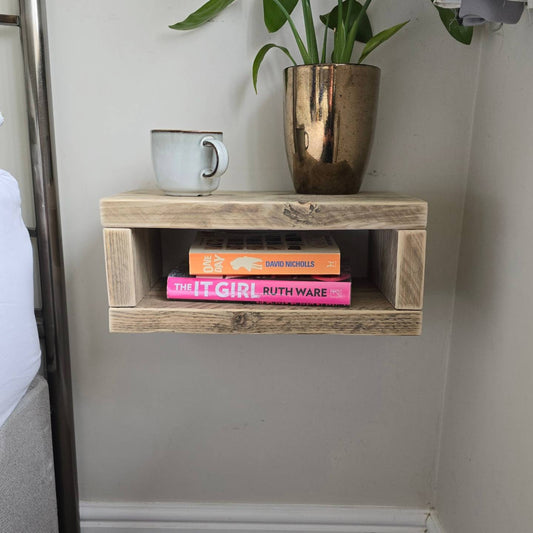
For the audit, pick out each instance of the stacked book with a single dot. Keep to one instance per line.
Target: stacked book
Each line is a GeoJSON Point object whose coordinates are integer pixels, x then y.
{"type": "Point", "coordinates": [290, 267]}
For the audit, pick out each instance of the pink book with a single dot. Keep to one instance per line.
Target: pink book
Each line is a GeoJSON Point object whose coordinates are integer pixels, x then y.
{"type": "Point", "coordinates": [302, 290]}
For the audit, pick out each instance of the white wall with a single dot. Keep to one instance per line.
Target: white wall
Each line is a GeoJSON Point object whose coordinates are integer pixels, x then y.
{"type": "Point", "coordinates": [325, 419]}
{"type": "Point", "coordinates": [485, 482]}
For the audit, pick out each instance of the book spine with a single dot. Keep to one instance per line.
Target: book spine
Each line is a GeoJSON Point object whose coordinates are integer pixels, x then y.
{"type": "Point", "coordinates": [243, 263]}
{"type": "Point", "coordinates": [260, 290]}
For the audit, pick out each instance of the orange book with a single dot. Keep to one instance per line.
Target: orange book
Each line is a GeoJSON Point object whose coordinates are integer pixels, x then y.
{"type": "Point", "coordinates": [241, 253]}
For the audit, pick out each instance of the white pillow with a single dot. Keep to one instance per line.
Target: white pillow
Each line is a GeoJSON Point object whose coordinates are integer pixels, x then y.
{"type": "Point", "coordinates": [20, 354]}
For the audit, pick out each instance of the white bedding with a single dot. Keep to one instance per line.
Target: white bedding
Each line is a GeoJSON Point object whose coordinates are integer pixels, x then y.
{"type": "Point", "coordinates": [20, 354]}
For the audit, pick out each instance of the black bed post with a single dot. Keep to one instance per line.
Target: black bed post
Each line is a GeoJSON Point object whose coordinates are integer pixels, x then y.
{"type": "Point", "coordinates": [54, 312]}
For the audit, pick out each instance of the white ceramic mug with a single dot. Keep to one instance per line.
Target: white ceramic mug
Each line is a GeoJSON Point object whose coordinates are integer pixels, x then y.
{"type": "Point", "coordinates": [188, 163]}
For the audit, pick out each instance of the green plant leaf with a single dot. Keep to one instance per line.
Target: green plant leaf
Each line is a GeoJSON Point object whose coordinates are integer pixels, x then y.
{"type": "Point", "coordinates": [301, 46]}
{"type": "Point", "coordinates": [312, 46]}
{"type": "Point", "coordinates": [274, 18]}
{"type": "Point", "coordinates": [380, 38]}
{"type": "Point", "coordinates": [324, 43]}
{"type": "Point", "coordinates": [339, 36]}
{"type": "Point", "coordinates": [202, 15]}
{"type": "Point", "coordinates": [460, 33]}
{"type": "Point", "coordinates": [364, 32]}
{"type": "Point", "coordinates": [259, 59]}
{"type": "Point", "coordinates": [352, 32]}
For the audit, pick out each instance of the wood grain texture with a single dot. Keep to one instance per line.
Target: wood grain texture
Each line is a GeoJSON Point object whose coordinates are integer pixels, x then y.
{"type": "Point", "coordinates": [133, 264]}
{"type": "Point", "coordinates": [411, 269]}
{"type": "Point", "coordinates": [369, 314]}
{"type": "Point", "coordinates": [118, 248]}
{"type": "Point", "coordinates": [397, 263]}
{"type": "Point", "coordinates": [265, 211]}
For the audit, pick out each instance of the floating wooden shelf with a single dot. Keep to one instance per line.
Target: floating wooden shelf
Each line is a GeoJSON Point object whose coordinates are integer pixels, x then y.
{"type": "Point", "coordinates": [388, 303]}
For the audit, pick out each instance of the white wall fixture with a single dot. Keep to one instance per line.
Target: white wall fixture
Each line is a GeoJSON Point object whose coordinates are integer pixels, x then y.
{"type": "Point", "coordinates": [249, 518]}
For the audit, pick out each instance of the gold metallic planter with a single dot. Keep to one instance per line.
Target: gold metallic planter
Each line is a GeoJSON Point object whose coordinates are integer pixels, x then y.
{"type": "Point", "coordinates": [330, 113]}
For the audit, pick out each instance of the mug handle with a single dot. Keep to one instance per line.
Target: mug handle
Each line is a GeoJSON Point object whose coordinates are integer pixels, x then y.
{"type": "Point", "coordinates": [221, 154]}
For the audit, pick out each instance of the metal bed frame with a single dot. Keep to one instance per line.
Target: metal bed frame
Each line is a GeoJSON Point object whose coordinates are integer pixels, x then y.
{"type": "Point", "coordinates": [52, 318]}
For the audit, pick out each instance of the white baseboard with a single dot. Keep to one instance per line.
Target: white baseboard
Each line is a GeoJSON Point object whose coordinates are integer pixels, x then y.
{"type": "Point", "coordinates": [249, 518]}
{"type": "Point", "coordinates": [433, 524]}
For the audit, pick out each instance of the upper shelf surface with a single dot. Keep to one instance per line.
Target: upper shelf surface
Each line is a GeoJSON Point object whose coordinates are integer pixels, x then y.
{"type": "Point", "coordinates": [264, 211]}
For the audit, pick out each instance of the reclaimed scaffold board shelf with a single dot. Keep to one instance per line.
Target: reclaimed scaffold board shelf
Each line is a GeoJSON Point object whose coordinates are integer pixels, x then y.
{"type": "Point", "coordinates": [387, 302]}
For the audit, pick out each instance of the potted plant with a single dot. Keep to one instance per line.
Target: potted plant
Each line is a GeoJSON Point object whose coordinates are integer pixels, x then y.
{"type": "Point", "coordinates": [330, 102]}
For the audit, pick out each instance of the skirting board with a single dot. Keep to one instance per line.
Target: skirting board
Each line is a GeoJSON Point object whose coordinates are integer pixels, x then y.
{"type": "Point", "coordinates": [250, 518]}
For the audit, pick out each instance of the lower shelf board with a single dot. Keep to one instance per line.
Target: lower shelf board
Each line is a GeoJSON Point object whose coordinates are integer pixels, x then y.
{"type": "Point", "coordinates": [369, 314]}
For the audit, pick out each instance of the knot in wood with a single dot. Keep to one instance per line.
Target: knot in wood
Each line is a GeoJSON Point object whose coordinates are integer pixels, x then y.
{"type": "Point", "coordinates": [241, 321]}
{"type": "Point", "coordinates": [302, 212]}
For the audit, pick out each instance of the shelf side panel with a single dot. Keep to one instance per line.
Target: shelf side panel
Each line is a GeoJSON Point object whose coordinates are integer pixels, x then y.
{"type": "Point", "coordinates": [133, 264]}
{"type": "Point", "coordinates": [411, 267]}
{"type": "Point", "coordinates": [397, 262]}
